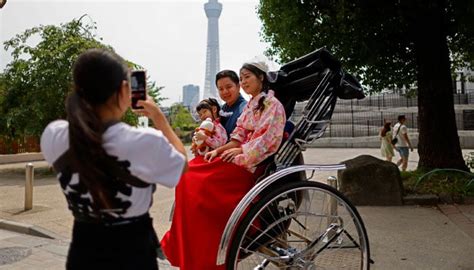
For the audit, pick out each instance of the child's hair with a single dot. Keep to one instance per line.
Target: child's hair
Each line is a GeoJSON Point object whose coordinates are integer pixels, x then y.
{"type": "Point", "coordinates": [208, 104]}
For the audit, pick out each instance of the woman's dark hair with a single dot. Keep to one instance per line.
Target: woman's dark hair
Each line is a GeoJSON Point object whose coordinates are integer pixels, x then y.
{"type": "Point", "coordinates": [97, 75]}
{"type": "Point", "coordinates": [208, 104]}
{"type": "Point", "coordinates": [227, 74]}
{"type": "Point", "coordinates": [386, 128]}
{"type": "Point", "coordinates": [265, 84]}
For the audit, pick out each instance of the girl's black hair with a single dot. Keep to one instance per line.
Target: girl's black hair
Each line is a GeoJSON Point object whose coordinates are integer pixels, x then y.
{"type": "Point", "coordinates": [265, 84]}
{"type": "Point", "coordinates": [208, 104]}
{"type": "Point", "coordinates": [228, 74]}
{"type": "Point", "coordinates": [97, 74]}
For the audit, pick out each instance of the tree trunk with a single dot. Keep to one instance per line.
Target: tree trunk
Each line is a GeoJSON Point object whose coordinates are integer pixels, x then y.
{"type": "Point", "coordinates": [438, 144]}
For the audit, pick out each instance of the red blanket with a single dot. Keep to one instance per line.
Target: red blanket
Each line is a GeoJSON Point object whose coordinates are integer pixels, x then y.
{"type": "Point", "coordinates": [205, 198]}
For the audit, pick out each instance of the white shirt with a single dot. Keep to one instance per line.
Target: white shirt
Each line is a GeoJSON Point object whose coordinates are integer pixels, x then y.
{"type": "Point", "coordinates": [144, 152]}
{"type": "Point", "coordinates": [401, 139]}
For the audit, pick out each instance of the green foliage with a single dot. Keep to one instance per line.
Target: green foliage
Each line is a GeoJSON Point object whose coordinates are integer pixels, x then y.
{"type": "Point", "coordinates": [456, 184]}
{"type": "Point", "coordinates": [181, 118]}
{"type": "Point", "coordinates": [182, 122]}
{"type": "Point", "coordinates": [373, 39]}
{"type": "Point", "coordinates": [387, 44]}
{"type": "Point", "coordinates": [37, 81]}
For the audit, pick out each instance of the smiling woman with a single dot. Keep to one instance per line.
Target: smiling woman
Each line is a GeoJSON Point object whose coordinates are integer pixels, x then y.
{"type": "Point", "coordinates": [208, 193]}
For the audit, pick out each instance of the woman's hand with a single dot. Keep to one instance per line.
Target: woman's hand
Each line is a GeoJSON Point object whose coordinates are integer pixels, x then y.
{"type": "Point", "coordinates": [150, 109]}
{"type": "Point", "coordinates": [210, 155]}
{"type": "Point", "coordinates": [229, 154]}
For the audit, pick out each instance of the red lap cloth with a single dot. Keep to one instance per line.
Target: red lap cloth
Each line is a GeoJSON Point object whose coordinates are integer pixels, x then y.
{"type": "Point", "coordinates": [204, 200]}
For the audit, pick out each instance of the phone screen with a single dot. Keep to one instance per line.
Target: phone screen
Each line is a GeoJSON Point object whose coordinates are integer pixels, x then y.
{"type": "Point", "coordinates": [138, 82]}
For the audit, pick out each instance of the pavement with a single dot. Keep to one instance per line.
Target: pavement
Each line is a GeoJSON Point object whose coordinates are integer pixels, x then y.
{"type": "Point", "coordinates": [401, 237]}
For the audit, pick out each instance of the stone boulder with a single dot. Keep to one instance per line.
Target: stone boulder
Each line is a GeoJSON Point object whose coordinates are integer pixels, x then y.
{"type": "Point", "coordinates": [371, 181]}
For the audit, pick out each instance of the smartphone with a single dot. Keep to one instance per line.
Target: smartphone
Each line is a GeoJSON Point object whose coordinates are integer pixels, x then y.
{"type": "Point", "coordinates": [138, 82]}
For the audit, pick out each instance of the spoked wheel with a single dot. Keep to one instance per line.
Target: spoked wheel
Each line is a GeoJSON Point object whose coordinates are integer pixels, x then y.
{"type": "Point", "coordinates": [300, 225]}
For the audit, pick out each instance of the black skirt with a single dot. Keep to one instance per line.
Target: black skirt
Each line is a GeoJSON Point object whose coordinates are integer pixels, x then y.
{"type": "Point", "coordinates": [128, 245]}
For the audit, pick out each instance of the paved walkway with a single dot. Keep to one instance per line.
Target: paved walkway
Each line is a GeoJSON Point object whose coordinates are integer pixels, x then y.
{"type": "Point", "coordinates": [407, 237]}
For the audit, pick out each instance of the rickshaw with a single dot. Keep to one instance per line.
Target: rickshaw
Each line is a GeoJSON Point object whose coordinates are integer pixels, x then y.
{"type": "Point", "coordinates": [290, 219]}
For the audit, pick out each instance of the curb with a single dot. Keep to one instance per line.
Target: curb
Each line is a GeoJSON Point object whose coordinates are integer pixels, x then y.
{"type": "Point", "coordinates": [458, 218]}
{"type": "Point", "coordinates": [420, 199]}
{"type": "Point", "coordinates": [432, 199]}
{"type": "Point", "coordinates": [27, 229]}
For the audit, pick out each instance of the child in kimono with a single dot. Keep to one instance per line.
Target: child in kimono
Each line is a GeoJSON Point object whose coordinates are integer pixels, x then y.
{"type": "Point", "coordinates": [210, 134]}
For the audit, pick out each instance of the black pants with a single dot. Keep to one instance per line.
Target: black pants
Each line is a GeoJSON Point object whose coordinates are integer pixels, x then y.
{"type": "Point", "coordinates": [126, 246]}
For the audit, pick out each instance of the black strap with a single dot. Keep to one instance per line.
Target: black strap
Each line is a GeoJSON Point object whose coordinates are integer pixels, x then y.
{"type": "Point", "coordinates": [398, 130]}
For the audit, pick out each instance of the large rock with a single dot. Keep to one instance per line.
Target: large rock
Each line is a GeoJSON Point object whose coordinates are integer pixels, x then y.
{"type": "Point", "coordinates": [371, 181]}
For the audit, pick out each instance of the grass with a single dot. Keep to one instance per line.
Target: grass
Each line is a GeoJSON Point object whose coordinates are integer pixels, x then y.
{"type": "Point", "coordinates": [444, 183]}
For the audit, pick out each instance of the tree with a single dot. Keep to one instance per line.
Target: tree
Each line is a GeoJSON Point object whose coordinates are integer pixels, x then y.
{"type": "Point", "coordinates": [391, 43]}
{"type": "Point", "coordinates": [181, 118]}
{"type": "Point", "coordinates": [38, 79]}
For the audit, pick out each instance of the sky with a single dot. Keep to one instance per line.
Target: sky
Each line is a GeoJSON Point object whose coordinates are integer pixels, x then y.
{"type": "Point", "coordinates": [166, 37]}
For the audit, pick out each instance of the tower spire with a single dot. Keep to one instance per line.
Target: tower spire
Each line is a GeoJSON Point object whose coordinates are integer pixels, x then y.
{"type": "Point", "coordinates": [213, 10]}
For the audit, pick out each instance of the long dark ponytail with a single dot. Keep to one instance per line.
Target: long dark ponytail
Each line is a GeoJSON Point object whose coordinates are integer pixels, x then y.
{"type": "Point", "coordinates": [97, 74]}
{"type": "Point", "coordinates": [265, 84]}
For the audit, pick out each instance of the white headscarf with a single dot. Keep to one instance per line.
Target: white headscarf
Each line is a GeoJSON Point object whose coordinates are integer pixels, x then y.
{"type": "Point", "coordinates": [260, 65]}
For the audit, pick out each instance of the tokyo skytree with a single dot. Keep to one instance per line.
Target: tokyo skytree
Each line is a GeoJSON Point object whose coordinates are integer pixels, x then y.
{"type": "Point", "coordinates": [213, 11]}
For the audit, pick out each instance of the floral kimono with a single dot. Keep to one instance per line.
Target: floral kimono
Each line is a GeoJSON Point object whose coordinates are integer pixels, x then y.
{"type": "Point", "coordinates": [209, 191]}
{"type": "Point", "coordinates": [219, 138]}
{"type": "Point", "coordinates": [259, 132]}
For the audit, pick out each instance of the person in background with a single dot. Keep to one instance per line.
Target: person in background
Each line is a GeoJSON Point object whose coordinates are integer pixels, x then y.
{"type": "Point", "coordinates": [108, 169]}
{"type": "Point", "coordinates": [227, 83]}
{"type": "Point", "coordinates": [403, 143]}
{"type": "Point", "coordinates": [386, 147]}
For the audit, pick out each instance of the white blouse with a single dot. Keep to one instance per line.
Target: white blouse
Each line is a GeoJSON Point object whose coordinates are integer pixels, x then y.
{"type": "Point", "coordinates": [143, 152]}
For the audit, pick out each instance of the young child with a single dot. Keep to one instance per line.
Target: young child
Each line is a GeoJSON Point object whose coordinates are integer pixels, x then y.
{"type": "Point", "coordinates": [210, 134]}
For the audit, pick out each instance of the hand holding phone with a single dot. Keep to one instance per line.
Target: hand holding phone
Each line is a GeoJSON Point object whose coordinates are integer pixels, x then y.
{"type": "Point", "coordinates": [138, 85]}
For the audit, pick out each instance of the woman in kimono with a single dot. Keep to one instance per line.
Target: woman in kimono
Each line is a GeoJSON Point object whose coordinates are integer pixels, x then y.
{"type": "Point", "coordinates": [214, 184]}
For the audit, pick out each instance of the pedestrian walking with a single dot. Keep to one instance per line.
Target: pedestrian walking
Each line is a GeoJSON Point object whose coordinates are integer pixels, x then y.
{"type": "Point", "coordinates": [402, 141]}
{"type": "Point", "coordinates": [386, 147]}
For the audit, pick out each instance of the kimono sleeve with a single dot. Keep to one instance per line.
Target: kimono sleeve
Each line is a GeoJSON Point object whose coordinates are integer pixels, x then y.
{"type": "Point", "coordinates": [218, 139]}
{"type": "Point", "coordinates": [266, 138]}
{"type": "Point", "coordinates": [240, 133]}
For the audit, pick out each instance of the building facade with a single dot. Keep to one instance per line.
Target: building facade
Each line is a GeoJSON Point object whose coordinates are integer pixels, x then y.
{"type": "Point", "coordinates": [190, 96]}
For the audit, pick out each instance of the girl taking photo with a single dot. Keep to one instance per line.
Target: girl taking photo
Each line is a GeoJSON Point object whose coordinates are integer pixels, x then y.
{"type": "Point", "coordinates": [108, 169]}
